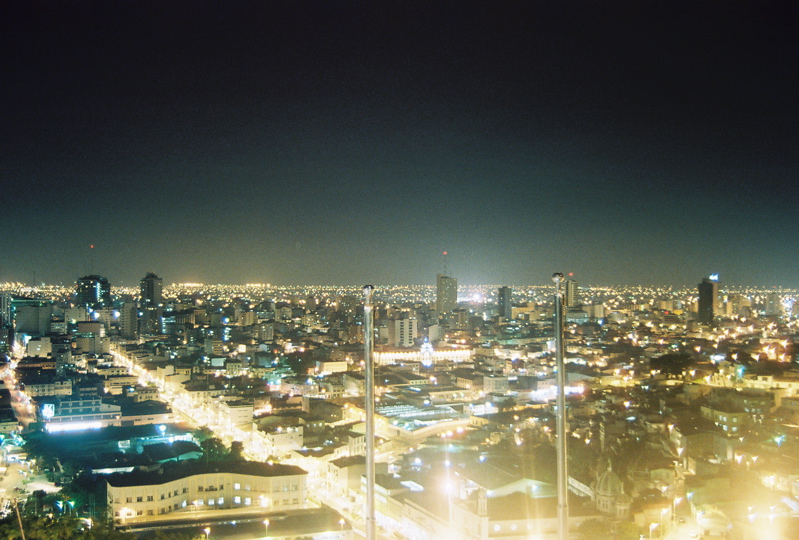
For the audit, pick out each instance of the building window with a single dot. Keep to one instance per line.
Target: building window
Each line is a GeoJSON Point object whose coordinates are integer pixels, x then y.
{"type": "Point", "coordinates": [210, 502]}
{"type": "Point", "coordinates": [247, 501]}
{"type": "Point", "coordinates": [237, 500]}
{"type": "Point", "coordinates": [149, 498]}
{"type": "Point", "coordinates": [200, 488]}
{"type": "Point", "coordinates": [237, 486]}
{"type": "Point", "coordinates": [128, 499]}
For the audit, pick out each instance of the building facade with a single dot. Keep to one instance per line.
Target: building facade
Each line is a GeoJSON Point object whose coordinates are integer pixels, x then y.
{"type": "Point", "coordinates": [446, 293]}
{"type": "Point", "coordinates": [135, 497]}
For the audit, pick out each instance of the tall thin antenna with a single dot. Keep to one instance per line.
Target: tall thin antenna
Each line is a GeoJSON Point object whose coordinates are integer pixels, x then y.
{"type": "Point", "coordinates": [368, 350]}
{"type": "Point", "coordinates": [563, 475]}
{"type": "Point", "coordinates": [444, 256]}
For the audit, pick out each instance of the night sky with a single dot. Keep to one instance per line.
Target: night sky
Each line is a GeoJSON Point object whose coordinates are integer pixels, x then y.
{"type": "Point", "coordinates": [351, 142]}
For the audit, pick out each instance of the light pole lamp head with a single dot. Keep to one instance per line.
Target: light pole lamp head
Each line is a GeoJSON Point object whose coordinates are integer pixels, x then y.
{"type": "Point", "coordinates": [557, 277]}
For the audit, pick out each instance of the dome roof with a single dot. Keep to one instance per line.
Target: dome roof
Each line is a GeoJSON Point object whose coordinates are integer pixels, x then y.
{"type": "Point", "coordinates": [608, 484]}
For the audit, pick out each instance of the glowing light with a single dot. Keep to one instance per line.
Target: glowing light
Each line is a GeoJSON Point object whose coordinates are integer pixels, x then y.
{"type": "Point", "coordinates": [73, 426]}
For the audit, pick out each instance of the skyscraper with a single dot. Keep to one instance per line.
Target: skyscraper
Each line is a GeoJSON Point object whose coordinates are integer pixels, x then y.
{"type": "Point", "coordinates": [503, 302]}
{"type": "Point", "coordinates": [708, 299]}
{"type": "Point", "coordinates": [446, 293]}
{"type": "Point", "coordinates": [572, 293]}
{"type": "Point", "coordinates": [93, 291]}
{"type": "Point", "coordinates": [151, 290]}
{"type": "Point", "coordinates": [151, 305]}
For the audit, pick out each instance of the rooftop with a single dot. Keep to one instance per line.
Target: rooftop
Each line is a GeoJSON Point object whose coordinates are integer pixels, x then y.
{"type": "Point", "coordinates": [196, 467]}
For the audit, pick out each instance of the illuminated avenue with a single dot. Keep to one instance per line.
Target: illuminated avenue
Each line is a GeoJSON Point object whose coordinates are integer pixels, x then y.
{"type": "Point", "coordinates": [665, 412]}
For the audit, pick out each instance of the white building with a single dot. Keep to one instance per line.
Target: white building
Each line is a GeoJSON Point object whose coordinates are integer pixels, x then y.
{"type": "Point", "coordinates": [403, 332]}
{"type": "Point", "coordinates": [226, 487]}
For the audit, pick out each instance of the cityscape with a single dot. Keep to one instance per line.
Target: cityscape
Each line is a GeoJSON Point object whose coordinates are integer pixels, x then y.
{"type": "Point", "coordinates": [412, 270]}
{"type": "Point", "coordinates": [124, 407]}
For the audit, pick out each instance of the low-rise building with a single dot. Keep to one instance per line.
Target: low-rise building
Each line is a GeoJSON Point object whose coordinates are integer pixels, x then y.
{"type": "Point", "coordinates": [194, 485]}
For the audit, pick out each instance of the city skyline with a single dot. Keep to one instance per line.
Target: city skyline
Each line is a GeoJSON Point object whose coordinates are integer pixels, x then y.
{"type": "Point", "coordinates": [310, 143]}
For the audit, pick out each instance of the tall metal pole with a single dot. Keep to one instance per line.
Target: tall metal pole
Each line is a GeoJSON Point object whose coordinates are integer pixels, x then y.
{"type": "Point", "coordinates": [563, 475]}
{"type": "Point", "coordinates": [368, 337]}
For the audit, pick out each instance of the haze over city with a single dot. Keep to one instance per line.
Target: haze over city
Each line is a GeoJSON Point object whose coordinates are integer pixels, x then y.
{"type": "Point", "coordinates": [348, 142]}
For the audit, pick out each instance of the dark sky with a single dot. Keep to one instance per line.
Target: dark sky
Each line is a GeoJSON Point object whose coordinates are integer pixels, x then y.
{"type": "Point", "coordinates": [346, 142]}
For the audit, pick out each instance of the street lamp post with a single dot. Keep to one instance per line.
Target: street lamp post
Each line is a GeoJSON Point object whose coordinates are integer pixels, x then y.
{"type": "Point", "coordinates": [266, 528]}
{"type": "Point", "coordinates": [207, 532]}
{"type": "Point", "coordinates": [563, 477]}
{"type": "Point", "coordinates": [368, 337]}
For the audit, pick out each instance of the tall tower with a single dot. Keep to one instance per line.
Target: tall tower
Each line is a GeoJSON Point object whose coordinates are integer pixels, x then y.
{"type": "Point", "coordinates": [151, 303]}
{"type": "Point", "coordinates": [151, 287]}
{"type": "Point", "coordinates": [503, 302]}
{"type": "Point", "coordinates": [446, 293]}
{"type": "Point", "coordinates": [93, 291]}
{"type": "Point", "coordinates": [708, 299]}
{"type": "Point", "coordinates": [572, 293]}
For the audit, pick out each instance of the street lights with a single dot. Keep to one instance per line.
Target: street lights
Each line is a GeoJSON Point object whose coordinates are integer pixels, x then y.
{"type": "Point", "coordinates": [266, 528]}
{"type": "Point", "coordinates": [207, 532]}
{"type": "Point", "coordinates": [677, 500]}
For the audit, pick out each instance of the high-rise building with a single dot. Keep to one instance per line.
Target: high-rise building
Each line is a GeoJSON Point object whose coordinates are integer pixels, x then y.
{"type": "Point", "coordinates": [151, 290]}
{"type": "Point", "coordinates": [93, 291]}
{"type": "Point", "coordinates": [152, 300]}
{"type": "Point", "coordinates": [708, 299]}
{"type": "Point", "coordinates": [446, 293]}
{"type": "Point", "coordinates": [773, 304]}
{"type": "Point", "coordinates": [31, 316]}
{"type": "Point", "coordinates": [572, 293]}
{"type": "Point", "coordinates": [6, 313]}
{"type": "Point", "coordinates": [503, 302]}
{"type": "Point", "coordinates": [129, 320]}
{"type": "Point", "coordinates": [403, 332]}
